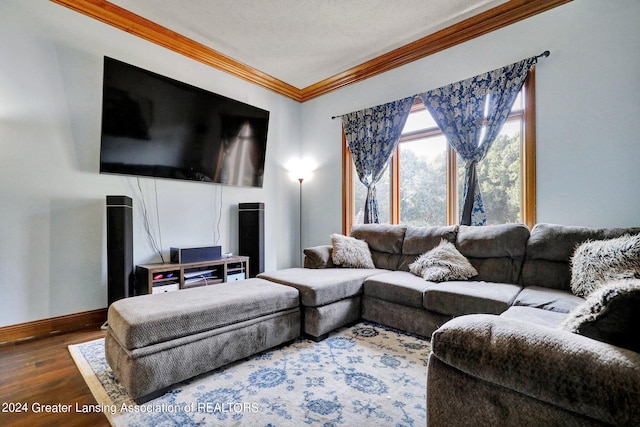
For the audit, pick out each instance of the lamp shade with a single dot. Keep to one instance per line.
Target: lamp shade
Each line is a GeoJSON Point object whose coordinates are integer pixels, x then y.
{"type": "Point", "coordinates": [300, 169]}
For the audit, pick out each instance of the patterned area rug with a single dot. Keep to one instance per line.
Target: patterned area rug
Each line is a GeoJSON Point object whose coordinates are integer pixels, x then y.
{"type": "Point", "coordinates": [364, 375]}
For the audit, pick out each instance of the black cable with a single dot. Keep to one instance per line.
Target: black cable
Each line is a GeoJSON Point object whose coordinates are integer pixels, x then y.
{"type": "Point", "coordinates": [147, 224]}
{"type": "Point", "coordinates": [219, 215]}
{"type": "Point", "coordinates": [155, 186]}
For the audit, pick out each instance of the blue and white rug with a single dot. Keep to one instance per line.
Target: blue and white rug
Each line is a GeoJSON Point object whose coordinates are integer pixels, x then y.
{"type": "Point", "coordinates": [364, 375]}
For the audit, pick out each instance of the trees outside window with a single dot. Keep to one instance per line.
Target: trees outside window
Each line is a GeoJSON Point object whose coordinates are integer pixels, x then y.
{"type": "Point", "coordinates": [423, 181]}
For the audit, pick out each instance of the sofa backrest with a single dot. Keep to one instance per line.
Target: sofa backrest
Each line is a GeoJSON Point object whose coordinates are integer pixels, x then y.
{"type": "Point", "coordinates": [496, 251]}
{"type": "Point", "coordinates": [550, 248]}
{"type": "Point", "coordinates": [394, 247]}
{"type": "Point", "coordinates": [505, 253]}
{"type": "Point", "coordinates": [385, 242]}
{"type": "Point", "coordinates": [418, 240]}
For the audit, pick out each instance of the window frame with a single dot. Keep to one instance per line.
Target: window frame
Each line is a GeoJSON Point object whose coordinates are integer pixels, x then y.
{"type": "Point", "coordinates": [528, 167]}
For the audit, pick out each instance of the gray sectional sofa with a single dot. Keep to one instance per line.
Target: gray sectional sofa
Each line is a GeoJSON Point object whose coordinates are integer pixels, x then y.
{"type": "Point", "coordinates": [391, 295]}
{"type": "Point", "coordinates": [498, 356]}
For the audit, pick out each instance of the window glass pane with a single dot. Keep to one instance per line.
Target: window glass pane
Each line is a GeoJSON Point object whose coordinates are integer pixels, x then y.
{"type": "Point", "coordinates": [383, 193]}
{"type": "Point", "coordinates": [418, 120]}
{"type": "Point", "coordinates": [500, 177]}
{"type": "Point", "coordinates": [519, 102]}
{"type": "Point", "coordinates": [423, 181]}
{"type": "Point", "coordinates": [512, 128]}
{"type": "Point", "coordinates": [360, 195]}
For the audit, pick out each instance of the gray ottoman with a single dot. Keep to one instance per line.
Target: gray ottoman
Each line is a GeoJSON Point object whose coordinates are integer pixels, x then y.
{"type": "Point", "coordinates": [330, 297]}
{"type": "Point", "coordinates": [154, 341]}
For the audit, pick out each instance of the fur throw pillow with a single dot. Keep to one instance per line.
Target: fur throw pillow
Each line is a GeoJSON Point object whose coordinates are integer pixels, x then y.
{"type": "Point", "coordinates": [610, 314]}
{"type": "Point", "coordinates": [350, 252]}
{"type": "Point", "coordinates": [596, 262]}
{"type": "Point", "coordinates": [443, 263]}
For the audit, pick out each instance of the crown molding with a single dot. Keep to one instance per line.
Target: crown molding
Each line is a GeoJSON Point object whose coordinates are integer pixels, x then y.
{"type": "Point", "coordinates": [476, 26]}
{"type": "Point", "coordinates": [122, 19]}
{"type": "Point", "coordinates": [493, 19]}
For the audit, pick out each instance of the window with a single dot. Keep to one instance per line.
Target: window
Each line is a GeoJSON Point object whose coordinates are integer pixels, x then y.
{"type": "Point", "coordinates": [423, 183]}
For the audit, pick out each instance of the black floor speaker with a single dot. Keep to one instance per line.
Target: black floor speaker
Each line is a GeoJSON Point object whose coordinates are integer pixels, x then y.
{"type": "Point", "coordinates": [251, 235]}
{"type": "Point", "coordinates": [120, 279]}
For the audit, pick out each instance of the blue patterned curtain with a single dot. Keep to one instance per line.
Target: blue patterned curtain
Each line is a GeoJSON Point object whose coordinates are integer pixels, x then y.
{"type": "Point", "coordinates": [372, 136]}
{"type": "Point", "coordinates": [459, 111]}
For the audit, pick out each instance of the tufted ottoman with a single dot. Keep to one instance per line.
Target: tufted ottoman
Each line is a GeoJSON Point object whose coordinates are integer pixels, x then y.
{"type": "Point", "coordinates": [154, 341]}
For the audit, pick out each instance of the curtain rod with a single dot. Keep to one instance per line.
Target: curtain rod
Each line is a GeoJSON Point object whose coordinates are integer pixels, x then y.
{"type": "Point", "coordinates": [544, 54]}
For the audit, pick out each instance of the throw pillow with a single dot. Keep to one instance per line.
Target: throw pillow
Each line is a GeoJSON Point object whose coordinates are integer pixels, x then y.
{"type": "Point", "coordinates": [596, 262]}
{"type": "Point", "coordinates": [318, 257]}
{"type": "Point", "coordinates": [350, 252]}
{"type": "Point", "coordinates": [610, 314]}
{"type": "Point", "coordinates": [443, 263]}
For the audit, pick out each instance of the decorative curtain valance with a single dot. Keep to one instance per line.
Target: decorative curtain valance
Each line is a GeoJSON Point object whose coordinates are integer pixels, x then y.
{"type": "Point", "coordinates": [372, 135]}
{"type": "Point", "coordinates": [464, 109]}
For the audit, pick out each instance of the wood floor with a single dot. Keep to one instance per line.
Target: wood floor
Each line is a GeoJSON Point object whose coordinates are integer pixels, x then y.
{"type": "Point", "coordinates": [40, 372]}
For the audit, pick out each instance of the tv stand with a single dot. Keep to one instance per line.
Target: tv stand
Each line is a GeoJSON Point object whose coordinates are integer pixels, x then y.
{"type": "Point", "coordinates": [171, 276]}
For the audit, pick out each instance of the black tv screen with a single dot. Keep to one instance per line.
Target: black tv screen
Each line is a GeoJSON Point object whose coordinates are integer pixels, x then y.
{"type": "Point", "coordinates": [159, 127]}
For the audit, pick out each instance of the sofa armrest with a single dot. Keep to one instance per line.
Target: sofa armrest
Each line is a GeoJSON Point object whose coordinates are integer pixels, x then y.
{"type": "Point", "coordinates": [318, 257]}
{"type": "Point", "coordinates": [555, 366]}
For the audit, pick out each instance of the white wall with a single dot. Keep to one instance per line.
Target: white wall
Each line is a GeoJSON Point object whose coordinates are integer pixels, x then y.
{"type": "Point", "coordinates": [588, 113]}
{"type": "Point", "coordinates": [52, 214]}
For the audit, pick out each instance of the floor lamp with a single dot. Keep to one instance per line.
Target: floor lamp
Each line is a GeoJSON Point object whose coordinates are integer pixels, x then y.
{"type": "Point", "coordinates": [300, 179]}
{"type": "Point", "coordinates": [301, 170]}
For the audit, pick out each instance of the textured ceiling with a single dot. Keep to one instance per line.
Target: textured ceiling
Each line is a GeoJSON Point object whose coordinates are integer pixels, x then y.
{"type": "Point", "coordinates": [302, 42]}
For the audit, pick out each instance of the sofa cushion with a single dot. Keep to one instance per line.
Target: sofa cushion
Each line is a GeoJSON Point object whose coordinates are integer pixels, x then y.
{"type": "Point", "coordinates": [610, 314]}
{"type": "Point", "coordinates": [381, 237]}
{"type": "Point", "coordinates": [442, 263]}
{"type": "Point", "coordinates": [547, 299]}
{"type": "Point", "coordinates": [573, 372]}
{"type": "Point", "coordinates": [496, 251]}
{"type": "Point", "coordinates": [385, 242]}
{"type": "Point", "coordinates": [318, 257]}
{"type": "Point", "coordinates": [459, 298]}
{"type": "Point", "coordinates": [322, 286]}
{"type": "Point", "coordinates": [350, 252]}
{"type": "Point", "coordinates": [418, 240]}
{"type": "Point", "coordinates": [595, 262]}
{"type": "Point", "coordinates": [550, 319]}
{"type": "Point", "coordinates": [400, 287]}
{"type": "Point", "coordinates": [550, 248]}
{"type": "Point", "coordinates": [150, 319]}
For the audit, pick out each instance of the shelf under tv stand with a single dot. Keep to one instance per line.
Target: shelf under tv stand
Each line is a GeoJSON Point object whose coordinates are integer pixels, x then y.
{"type": "Point", "coordinates": [171, 276]}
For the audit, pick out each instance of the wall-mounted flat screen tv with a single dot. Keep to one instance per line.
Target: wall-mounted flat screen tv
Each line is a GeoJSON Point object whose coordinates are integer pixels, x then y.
{"type": "Point", "coordinates": [159, 127]}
